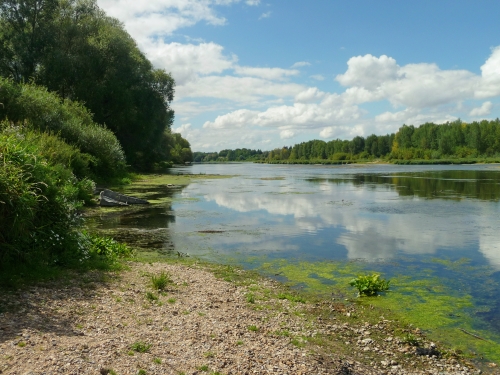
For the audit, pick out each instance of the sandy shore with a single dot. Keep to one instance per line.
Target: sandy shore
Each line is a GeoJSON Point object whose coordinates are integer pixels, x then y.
{"type": "Point", "coordinates": [113, 324]}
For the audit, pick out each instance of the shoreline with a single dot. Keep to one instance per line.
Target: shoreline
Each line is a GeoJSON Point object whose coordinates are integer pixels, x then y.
{"type": "Point", "coordinates": [212, 319]}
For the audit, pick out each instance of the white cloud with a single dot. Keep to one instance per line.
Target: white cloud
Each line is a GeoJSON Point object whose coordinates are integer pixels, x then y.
{"type": "Point", "coordinates": [183, 129]}
{"type": "Point", "coordinates": [413, 85]}
{"type": "Point", "coordinates": [309, 95]}
{"type": "Point", "coordinates": [490, 74]}
{"type": "Point", "coordinates": [265, 15]}
{"type": "Point", "coordinates": [266, 73]}
{"type": "Point", "coordinates": [484, 110]}
{"type": "Point", "coordinates": [238, 89]}
{"type": "Point", "coordinates": [300, 64]}
{"type": "Point", "coordinates": [318, 77]}
{"type": "Point", "coordinates": [187, 61]}
{"type": "Point", "coordinates": [287, 134]}
{"type": "Point", "coordinates": [163, 17]}
{"type": "Point", "coordinates": [252, 2]}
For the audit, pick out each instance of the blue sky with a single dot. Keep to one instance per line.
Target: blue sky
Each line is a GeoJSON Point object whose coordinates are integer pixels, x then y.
{"type": "Point", "coordinates": [264, 74]}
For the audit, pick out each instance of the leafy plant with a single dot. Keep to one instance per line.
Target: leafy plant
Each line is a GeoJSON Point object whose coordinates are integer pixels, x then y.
{"type": "Point", "coordinates": [140, 347]}
{"type": "Point", "coordinates": [369, 285]}
{"type": "Point", "coordinates": [253, 328]}
{"type": "Point", "coordinates": [161, 281]}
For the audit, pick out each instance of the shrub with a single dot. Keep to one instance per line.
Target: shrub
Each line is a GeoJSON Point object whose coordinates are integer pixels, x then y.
{"type": "Point", "coordinates": [47, 112]}
{"type": "Point", "coordinates": [38, 204]}
{"type": "Point", "coordinates": [369, 285]}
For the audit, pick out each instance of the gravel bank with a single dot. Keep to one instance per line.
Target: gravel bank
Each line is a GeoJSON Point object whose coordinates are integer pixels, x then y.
{"type": "Point", "coordinates": [199, 325]}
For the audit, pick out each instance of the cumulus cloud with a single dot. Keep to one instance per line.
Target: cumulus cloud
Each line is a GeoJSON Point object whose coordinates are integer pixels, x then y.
{"type": "Point", "coordinates": [413, 85]}
{"type": "Point", "coordinates": [484, 110]}
{"type": "Point", "coordinates": [184, 128]}
{"type": "Point", "coordinates": [490, 74]}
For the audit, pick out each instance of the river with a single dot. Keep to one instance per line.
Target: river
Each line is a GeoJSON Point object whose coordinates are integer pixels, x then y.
{"type": "Point", "coordinates": [434, 231]}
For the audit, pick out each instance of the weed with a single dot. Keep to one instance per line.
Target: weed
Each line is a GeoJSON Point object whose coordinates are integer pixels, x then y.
{"type": "Point", "coordinates": [130, 352]}
{"type": "Point", "coordinates": [250, 297]}
{"type": "Point", "coordinates": [410, 340]}
{"type": "Point", "coordinates": [253, 328]}
{"type": "Point", "coordinates": [151, 297]}
{"type": "Point", "coordinates": [239, 342]}
{"type": "Point", "coordinates": [369, 285]}
{"type": "Point", "coordinates": [161, 281]}
{"type": "Point", "coordinates": [171, 300]}
{"type": "Point", "coordinates": [141, 372]}
{"type": "Point", "coordinates": [284, 333]}
{"type": "Point", "coordinates": [291, 297]}
{"type": "Point", "coordinates": [157, 361]}
{"type": "Point", "coordinates": [209, 355]}
{"type": "Point", "coordinates": [203, 368]}
{"type": "Point", "coordinates": [140, 347]}
{"type": "Point", "coordinates": [21, 344]}
{"type": "Point", "coordinates": [201, 314]}
{"type": "Point", "coordinates": [118, 299]}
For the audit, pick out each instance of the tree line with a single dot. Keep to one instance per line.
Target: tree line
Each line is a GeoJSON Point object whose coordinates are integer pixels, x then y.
{"type": "Point", "coordinates": [455, 141]}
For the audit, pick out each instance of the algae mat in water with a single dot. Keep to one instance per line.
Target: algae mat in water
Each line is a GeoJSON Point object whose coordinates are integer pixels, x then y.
{"type": "Point", "coordinates": [447, 312]}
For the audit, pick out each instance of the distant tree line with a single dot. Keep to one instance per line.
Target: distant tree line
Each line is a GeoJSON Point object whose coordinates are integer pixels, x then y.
{"type": "Point", "coordinates": [428, 143]}
{"type": "Point", "coordinates": [239, 154]}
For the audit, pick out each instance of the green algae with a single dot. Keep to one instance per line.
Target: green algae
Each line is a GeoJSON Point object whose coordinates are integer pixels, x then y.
{"type": "Point", "coordinates": [424, 300]}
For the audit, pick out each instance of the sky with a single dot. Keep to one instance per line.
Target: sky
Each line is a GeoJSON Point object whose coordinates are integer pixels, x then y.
{"type": "Point", "coordinates": [266, 74]}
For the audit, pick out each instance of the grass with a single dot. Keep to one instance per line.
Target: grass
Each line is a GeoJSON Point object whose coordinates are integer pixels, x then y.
{"type": "Point", "coordinates": [171, 300]}
{"type": "Point", "coordinates": [253, 328]}
{"type": "Point", "coordinates": [157, 361]}
{"type": "Point", "coordinates": [140, 347]}
{"type": "Point", "coordinates": [203, 368]}
{"type": "Point", "coordinates": [151, 297]}
{"type": "Point", "coordinates": [291, 297]}
{"type": "Point", "coordinates": [250, 297]}
{"type": "Point", "coordinates": [160, 282]}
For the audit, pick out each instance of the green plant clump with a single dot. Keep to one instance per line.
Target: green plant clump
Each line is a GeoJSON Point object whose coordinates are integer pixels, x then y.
{"type": "Point", "coordinates": [369, 285]}
{"type": "Point", "coordinates": [140, 347]}
{"type": "Point", "coordinates": [160, 282]}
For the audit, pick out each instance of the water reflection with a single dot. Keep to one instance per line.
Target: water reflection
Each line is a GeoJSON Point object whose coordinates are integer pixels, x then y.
{"type": "Point", "coordinates": [368, 216]}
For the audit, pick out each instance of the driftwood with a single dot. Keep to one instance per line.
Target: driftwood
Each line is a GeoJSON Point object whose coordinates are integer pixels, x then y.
{"type": "Point", "coordinates": [112, 198]}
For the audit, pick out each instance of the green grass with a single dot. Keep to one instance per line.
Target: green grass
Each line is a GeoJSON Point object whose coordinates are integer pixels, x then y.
{"type": "Point", "coordinates": [151, 297]}
{"type": "Point", "coordinates": [140, 347]}
{"type": "Point", "coordinates": [157, 361]}
{"type": "Point", "coordinates": [253, 328]}
{"type": "Point", "coordinates": [160, 282]}
{"type": "Point", "coordinates": [291, 297]}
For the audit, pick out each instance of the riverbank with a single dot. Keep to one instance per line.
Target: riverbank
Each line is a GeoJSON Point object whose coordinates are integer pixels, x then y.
{"type": "Point", "coordinates": [210, 319]}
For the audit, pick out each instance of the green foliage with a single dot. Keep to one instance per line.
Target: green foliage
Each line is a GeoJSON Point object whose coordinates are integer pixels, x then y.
{"type": "Point", "coordinates": [157, 361]}
{"type": "Point", "coordinates": [411, 339]}
{"type": "Point", "coordinates": [140, 347]}
{"type": "Point", "coordinates": [369, 285]}
{"type": "Point", "coordinates": [106, 247]}
{"type": "Point", "coordinates": [38, 202]}
{"type": "Point", "coordinates": [141, 372]}
{"type": "Point", "coordinates": [71, 121]}
{"type": "Point", "coordinates": [151, 297]}
{"type": "Point", "coordinates": [250, 297]}
{"type": "Point", "coordinates": [160, 282]}
{"type": "Point", "coordinates": [291, 297]}
{"type": "Point", "coordinates": [75, 50]}
{"type": "Point", "coordinates": [253, 328]}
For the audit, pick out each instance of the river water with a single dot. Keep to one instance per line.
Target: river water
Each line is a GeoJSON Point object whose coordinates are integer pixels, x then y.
{"type": "Point", "coordinates": [433, 230]}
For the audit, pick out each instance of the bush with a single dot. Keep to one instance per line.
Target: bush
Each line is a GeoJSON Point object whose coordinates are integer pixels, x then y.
{"type": "Point", "coordinates": [38, 204]}
{"type": "Point", "coordinates": [370, 285]}
{"type": "Point", "coordinates": [71, 121]}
